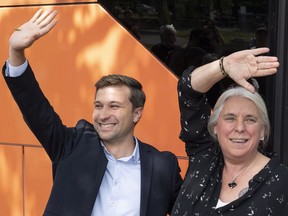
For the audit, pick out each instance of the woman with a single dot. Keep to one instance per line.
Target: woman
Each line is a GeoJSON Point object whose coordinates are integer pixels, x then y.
{"type": "Point", "coordinates": [229, 173]}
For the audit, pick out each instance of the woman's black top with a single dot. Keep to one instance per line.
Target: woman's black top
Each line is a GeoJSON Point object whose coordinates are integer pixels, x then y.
{"type": "Point", "coordinates": [268, 189]}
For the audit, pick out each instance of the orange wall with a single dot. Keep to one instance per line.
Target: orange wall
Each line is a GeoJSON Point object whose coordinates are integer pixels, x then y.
{"type": "Point", "coordinates": [86, 44]}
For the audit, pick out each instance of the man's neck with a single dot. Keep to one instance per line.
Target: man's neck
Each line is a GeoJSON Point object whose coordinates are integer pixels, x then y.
{"type": "Point", "coordinates": [120, 150]}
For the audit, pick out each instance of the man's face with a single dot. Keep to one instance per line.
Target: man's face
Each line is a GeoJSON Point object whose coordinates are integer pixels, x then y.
{"type": "Point", "coordinates": [113, 116]}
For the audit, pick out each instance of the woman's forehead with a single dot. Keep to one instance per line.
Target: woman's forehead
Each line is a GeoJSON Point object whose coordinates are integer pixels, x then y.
{"type": "Point", "coordinates": [240, 104]}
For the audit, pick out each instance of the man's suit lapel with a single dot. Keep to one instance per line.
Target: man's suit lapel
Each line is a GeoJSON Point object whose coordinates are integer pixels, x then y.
{"type": "Point", "coordinates": [95, 165]}
{"type": "Point", "coordinates": [147, 165]}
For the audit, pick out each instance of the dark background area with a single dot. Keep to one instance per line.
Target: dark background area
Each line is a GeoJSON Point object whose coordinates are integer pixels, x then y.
{"type": "Point", "coordinates": [237, 22]}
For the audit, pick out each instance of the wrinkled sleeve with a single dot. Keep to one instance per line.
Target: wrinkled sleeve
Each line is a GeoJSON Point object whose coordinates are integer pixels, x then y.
{"type": "Point", "coordinates": [40, 116]}
{"type": "Point", "coordinates": [194, 115]}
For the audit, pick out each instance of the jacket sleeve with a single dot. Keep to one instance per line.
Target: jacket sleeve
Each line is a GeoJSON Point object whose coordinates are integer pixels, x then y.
{"type": "Point", "coordinates": [39, 115]}
{"type": "Point", "coordinates": [194, 115]}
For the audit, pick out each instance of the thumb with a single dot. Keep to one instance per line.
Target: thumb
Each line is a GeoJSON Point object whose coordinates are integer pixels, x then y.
{"type": "Point", "coordinates": [245, 84]}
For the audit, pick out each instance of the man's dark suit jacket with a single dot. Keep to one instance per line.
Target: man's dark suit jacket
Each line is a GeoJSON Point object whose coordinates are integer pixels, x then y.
{"type": "Point", "coordinates": [79, 162]}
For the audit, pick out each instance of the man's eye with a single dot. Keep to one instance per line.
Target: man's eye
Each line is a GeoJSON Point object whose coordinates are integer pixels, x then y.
{"type": "Point", "coordinates": [114, 106]}
{"type": "Point", "coordinates": [97, 106]}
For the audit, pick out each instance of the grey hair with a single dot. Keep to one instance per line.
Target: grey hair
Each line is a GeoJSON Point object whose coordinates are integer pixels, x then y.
{"type": "Point", "coordinates": [168, 27]}
{"type": "Point", "coordinates": [240, 91]}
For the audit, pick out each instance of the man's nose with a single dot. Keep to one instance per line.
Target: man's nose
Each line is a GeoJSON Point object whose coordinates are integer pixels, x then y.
{"type": "Point", "coordinates": [104, 113]}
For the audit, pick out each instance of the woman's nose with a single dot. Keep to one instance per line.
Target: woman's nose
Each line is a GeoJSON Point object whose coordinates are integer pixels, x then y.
{"type": "Point", "coordinates": [239, 126]}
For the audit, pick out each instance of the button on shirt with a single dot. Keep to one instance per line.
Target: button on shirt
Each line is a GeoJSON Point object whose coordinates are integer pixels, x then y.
{"type": "Point", "coordinates": [119, 193]}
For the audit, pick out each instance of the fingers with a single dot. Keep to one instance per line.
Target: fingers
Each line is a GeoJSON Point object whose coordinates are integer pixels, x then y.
{"type": "Point", "coordinates": [42, 18]}
{"type": "Point", "coordinates": [245, 64]}
{"type": "Point", "coordinates": [48, 27]}
{"type": "Point", "coordinates": [266, 65]}
{"type": "Point", "coordinates": [39, 25]}
{"type": "Point", "coordinates": [36, 15]}
{"type": "Point", "coordinates": [48, 21]}
{"type": "Point", "coordinates": [46, 17]}
{"type": "Point", "coordinates": [265, 72]}
{"type": "Point", "coordinates": [259, 51]}
{"type": "Point", "coordinates": [266, 59]}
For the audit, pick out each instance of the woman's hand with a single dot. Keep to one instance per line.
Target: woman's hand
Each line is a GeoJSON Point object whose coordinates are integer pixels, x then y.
{"type": "Point", "coordinates": [244, 64]}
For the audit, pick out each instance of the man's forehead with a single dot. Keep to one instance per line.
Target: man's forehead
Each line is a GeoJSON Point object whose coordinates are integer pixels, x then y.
{"type": "Point", "coordinates": [113, 93]}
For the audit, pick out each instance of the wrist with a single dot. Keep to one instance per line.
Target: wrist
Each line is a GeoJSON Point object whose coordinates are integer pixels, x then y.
{"type": "Point", "coordinates": [16, 57]}
{"type": "Point", "coordinates": [222, 68]}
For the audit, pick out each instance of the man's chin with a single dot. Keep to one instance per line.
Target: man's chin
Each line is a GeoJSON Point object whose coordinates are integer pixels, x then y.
{"type": "Point", "coordinates": [105, 137]}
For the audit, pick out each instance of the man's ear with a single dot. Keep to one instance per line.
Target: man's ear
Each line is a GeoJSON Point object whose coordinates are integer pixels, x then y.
{"type": "Point", "coordinates": [137, 114]}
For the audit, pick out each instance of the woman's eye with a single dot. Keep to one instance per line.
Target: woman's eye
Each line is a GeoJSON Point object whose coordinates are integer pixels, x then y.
{"type": "Point", "coordinates": [229, 118]}
{"type": "Point", "coordinates": [250, 120]}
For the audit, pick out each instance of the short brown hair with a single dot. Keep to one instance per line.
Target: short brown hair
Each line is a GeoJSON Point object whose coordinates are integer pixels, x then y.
{"type": "Point", "coordinates": [137, 95]}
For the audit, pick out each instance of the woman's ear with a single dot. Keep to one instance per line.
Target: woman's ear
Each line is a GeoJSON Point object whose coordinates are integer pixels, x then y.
{"type": "Point", "coordinates": [215, 130]}
{"type": "Point", "coordinates": [262, 134]}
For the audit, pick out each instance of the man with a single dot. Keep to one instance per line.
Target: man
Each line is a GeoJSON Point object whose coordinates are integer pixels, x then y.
{"type": "Point", "coordinates": [168, 42]}
{"type": "Point", "coordinates": [100, 170]}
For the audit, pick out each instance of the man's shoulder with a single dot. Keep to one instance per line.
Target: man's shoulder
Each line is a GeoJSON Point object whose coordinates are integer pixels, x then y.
{"type": "Point", "coordinates": [82, 123]}
{"type": "Point", "coordinates": [85, 127]}
{"type": "Point", "coordinates": [152, 149]}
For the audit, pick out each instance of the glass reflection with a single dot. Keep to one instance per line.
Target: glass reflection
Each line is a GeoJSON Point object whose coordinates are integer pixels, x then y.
{"type": "Point", "coordinates": [184, 32]}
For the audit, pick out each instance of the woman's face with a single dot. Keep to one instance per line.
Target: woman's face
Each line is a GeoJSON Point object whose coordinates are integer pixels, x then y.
{"type": "Point", "coordinates": [239, 128]}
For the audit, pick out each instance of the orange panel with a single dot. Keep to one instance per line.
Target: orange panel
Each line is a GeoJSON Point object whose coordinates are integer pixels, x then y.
{"type": "Point", "coordinates": [11, 186]}
{"type": "Point", "coordinates": [38, 180]}
{"type": "Point", "coordinates": [86, 44]}
{"type": "Point", "coordinates": [33, 2]}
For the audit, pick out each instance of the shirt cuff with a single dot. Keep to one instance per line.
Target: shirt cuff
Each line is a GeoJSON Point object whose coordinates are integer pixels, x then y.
{"type": "Point", "coordinates": [12, 71]}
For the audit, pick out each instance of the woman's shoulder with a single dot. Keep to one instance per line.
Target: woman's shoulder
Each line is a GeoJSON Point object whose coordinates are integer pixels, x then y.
{"type": "Point", "coordinates": [278, 170]}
